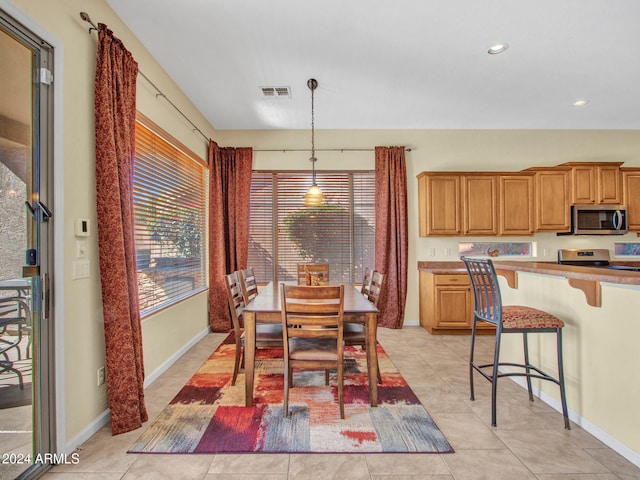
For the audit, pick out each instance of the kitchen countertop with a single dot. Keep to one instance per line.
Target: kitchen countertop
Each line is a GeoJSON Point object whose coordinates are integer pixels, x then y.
{"type": "Point", "coordinates": [587, 279]}
{"type": "Point", "coordinates": [547, 268]}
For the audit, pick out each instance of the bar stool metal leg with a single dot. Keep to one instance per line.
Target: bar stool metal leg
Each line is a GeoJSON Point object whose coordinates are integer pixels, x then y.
{"type": "Point", "coordinates": [563, 395]}
{"type": "Point", "coordinates": [525, 342]}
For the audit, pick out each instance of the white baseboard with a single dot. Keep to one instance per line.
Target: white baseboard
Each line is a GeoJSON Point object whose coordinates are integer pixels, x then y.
{"type": "Point", "coordinates": [411, 323]}
{"type": "Point", "coordinates": [604, 437]}
{"type": "Point", "coordinates": [88, 432]}
{"type": "Point", "coordinates": [102, 419]}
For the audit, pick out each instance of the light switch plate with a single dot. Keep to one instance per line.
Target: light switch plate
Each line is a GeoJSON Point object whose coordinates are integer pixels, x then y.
{"type": "Point", "coordinates": [80, 269]}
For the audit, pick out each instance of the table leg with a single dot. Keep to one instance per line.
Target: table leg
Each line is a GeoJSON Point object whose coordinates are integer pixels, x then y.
{"type": "Point", "coordinates": [249, 355]}
{"type": "Point", "coordinates": [372, 357]}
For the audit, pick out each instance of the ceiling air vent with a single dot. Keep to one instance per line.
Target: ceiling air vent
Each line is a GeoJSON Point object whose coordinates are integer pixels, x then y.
{"type": "Point", "coordinates": [276, 92]}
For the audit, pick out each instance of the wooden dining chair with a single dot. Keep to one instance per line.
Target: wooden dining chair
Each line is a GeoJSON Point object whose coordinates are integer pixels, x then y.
{"type": "Point", "coordinates": [366, 282]}
{"type": "Point", "coordinates": [249, 284]}
{"type": "Point", "coordinates": [375, 290]}
{"type": "Point", "coordinates": [267, 335]}
{"type": "Point", "coordinates": [313, 273]}
{"type": "Point", "coordinates": [355, 333]}
{"type": "Point", "coordinates": [312, 332]}
{"type": "Point", "coordinates": [509, 319]}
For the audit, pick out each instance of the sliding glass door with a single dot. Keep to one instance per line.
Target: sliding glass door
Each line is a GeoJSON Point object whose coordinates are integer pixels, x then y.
{"type": "Point", "coordinates": [26, 340]}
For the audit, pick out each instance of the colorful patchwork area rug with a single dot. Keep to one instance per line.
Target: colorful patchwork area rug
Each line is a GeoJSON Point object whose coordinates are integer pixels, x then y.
{"type": "Point", "coordinates": [208, 415]}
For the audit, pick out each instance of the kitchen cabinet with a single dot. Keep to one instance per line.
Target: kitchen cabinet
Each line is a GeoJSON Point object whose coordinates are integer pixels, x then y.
{"type": "Point", "coordinates": [599, 183]}
{"type": "Point", "coordinates": [516, 205]}
{"type": "Point", "coordinates": [446, 304]}
{"type": "Point", "coordinates": [480, 204]}
{"type": "Point", "coordinates": [552, 193]}
{"type": "Point", "coordinates": [631, 197]}
{"type": "Point", "coordinates": [439, 211]}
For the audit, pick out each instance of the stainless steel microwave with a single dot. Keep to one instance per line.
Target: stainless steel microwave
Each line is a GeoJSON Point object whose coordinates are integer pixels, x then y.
{"type": "Point", "coordinates": [598, 220]}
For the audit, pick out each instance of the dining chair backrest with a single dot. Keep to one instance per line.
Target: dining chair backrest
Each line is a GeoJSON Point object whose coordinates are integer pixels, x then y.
{"type": "Point", "coordinates": [313, 273]}
{"type": "Point", "coordinates": [249, 284]}
{"type": "Point", "coordinates": [236, 300]}
{"type": "Point", "coordinates": [377, 284]}
{"type": "Point", "coordinates": [305, 306]}
{"type": "Point", "coordinates": [366, 282]}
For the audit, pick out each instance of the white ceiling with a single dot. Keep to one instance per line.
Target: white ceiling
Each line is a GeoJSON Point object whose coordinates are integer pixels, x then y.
{"type": "Point", "coordinates": [399, 64]}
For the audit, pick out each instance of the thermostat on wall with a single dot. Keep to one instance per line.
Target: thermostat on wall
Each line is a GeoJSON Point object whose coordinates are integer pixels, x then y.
{"type": "Point", "coordinates": [82, 227]}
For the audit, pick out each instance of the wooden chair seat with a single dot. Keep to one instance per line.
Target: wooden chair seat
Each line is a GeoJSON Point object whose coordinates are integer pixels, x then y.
{"type": "Point", "coordinates": [267, 335]}
{"type": "Point", "coordinates": [320, 349]}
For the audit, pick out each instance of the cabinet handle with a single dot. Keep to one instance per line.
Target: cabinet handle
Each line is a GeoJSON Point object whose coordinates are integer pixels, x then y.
{"type": "Point", "coordinates": [453, 279]}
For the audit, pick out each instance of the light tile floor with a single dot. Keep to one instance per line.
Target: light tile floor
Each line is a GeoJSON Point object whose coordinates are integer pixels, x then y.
{"type": "Point", "coordinates": [530, 441]}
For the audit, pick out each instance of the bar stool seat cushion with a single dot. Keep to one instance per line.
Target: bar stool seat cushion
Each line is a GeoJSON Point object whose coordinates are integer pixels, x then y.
{"type": "Point", "coordinates": [518, 316]}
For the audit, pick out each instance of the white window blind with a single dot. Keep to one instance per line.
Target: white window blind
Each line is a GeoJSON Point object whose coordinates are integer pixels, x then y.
{"type": "Point", "coordinates": [284, 233]}
{"type": "Point", "coordinates": [169, 192]}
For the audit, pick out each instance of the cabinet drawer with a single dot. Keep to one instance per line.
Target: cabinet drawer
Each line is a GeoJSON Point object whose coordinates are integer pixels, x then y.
{"type": "Point", "coordinates": [454, 279]}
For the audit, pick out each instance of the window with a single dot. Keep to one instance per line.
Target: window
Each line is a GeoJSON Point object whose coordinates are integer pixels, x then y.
{"type": "Point", "coordinates": [169, 200]}
{"type": "Point", "coordinates": [284, 233]}
{"type": "Point", "coordinates": [503, 249]}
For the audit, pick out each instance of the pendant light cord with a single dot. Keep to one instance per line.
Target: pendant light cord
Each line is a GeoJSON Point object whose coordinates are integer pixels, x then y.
{"type": "Point", "coordinates": [312, 84]}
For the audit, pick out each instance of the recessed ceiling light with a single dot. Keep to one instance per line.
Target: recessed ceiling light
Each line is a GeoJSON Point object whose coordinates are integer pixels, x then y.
{"type": "Point", "coordinates": [497, 48]}
{"type": "Point", "coordinates": [581, 102]}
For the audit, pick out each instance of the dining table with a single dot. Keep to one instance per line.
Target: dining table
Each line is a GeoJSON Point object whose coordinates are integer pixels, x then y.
{"type": "Point", "coordinates": [266, 308]}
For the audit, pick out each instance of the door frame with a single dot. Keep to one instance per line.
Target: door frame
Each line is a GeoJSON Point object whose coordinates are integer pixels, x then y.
{"type": "Point", "coordinates": [55, 238]}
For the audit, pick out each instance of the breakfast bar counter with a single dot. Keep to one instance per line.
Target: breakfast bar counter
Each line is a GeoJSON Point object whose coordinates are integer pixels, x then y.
{"type": "Point", "coordinates": [587, 279]}
{"type": "Point", "coordinates": [600, 340]}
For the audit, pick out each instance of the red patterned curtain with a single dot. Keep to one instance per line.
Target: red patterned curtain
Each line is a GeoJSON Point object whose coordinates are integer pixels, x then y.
{"type": "Point", "coordinates": [115, 111]}
{"type": "Point", "coordinates": [391, 233]}
{"type": "Point", "coordinates": [229, 192]}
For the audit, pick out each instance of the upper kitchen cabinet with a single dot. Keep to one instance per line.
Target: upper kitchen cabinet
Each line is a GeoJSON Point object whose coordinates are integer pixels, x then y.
{"type": "Point", "coordinates": [480, 204]}
{"type": "Point", "coordinates": [552, 193]}
{"type": "Point", "coordinates": [596, 183]}
{"type": "Point", "coordinates": [439, 209]}
{"type": "Point", "coordinates": [516, 205]}
{"type": "Point", "coordinates": [475, 204]}
{"type": "Point", "coordinates": [631, 197]}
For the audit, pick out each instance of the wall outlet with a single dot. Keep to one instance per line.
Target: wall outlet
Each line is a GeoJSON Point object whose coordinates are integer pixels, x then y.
{"type": "Point", "coordinates": [101, 376]}
{"type": "Point", "coordinates": [447, 252]}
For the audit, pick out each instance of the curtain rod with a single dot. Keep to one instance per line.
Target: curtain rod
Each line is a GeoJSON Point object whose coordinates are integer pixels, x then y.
{"type": "Point", "coordinates": [85, 16]}
{"type": "Point", "coordinates": [284, 150]}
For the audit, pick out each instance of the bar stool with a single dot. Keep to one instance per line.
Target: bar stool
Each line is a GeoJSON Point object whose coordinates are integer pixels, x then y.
{"type": "Point", "coordinates": [509, 319]}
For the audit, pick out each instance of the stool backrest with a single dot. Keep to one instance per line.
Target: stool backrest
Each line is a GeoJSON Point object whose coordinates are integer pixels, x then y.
{"type": "Point", "coordinates": [486, 290]}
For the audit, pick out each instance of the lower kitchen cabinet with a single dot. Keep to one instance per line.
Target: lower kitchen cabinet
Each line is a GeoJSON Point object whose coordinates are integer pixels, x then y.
{"type": "Point", "coordinates": [446, 304]}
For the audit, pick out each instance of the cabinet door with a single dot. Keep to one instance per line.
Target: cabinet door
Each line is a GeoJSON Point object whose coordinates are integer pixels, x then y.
{"type": "Point", "coordinates": [552, 201]}
{"type": "Point", "coordinates": [516, 205]}
{"type": "Point", "coordinates": [609, 185]}
{"type": "Point", "coordinates": [631, 188]}
{"type": "Point", "coordinates": [439, 205]}
{"type": "Point", "coordinates": [480, 205]}
{"type": "Point", "coordinates": [599, 184]}
{"type": "Point", "coordinates": [584, 185]}
{"type": "Point", "coordinates": [452, 306]}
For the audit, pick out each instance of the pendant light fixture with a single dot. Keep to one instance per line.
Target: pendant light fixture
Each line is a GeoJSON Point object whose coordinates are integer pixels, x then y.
{"type": "Point", "coordinates": [314, 196]}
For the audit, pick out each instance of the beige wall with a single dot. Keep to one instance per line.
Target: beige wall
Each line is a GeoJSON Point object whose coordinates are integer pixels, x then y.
{"type": "Point", "coordinates": [433, 150]}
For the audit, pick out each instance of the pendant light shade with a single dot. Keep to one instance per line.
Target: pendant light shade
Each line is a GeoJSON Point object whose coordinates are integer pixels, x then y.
{"type": "Point", "coordinates": [314, 196]}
